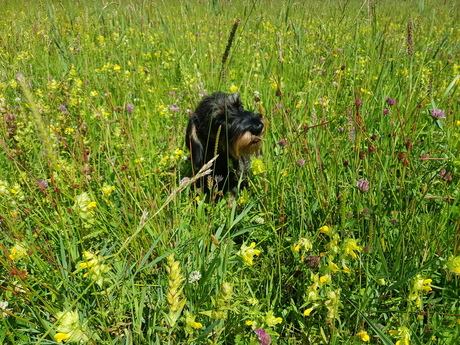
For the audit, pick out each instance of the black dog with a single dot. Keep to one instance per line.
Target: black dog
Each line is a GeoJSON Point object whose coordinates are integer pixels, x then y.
{"type": "Point", "coordinates": [221, 126]}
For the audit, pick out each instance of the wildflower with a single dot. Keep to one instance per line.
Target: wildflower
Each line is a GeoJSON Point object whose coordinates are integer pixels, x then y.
{"type": "Point", "coordinates": [264, 337]}
{"type": "Point", "coordinates": [403, 334]}
{"type": "Point", "coordinates": [324, 229]}
{"type": "Point", "coordinates": [300, 162]}
{"type": "Point", "coordinates": [69, 328]}
{"type": "Point", "coordinates": [282, 142]}
{"type": "Point", "coordinates": [302, 243]}
{"type": "Point", "coordinates": [250, 323]}
{"type": "Point", "coordinates": [84, 207]}
{"type": "Point", "coordinates": [4, 309]}
{"type": "Point", "coordinates": [438, 114]}
{"type": "Point", "coordinates": [96, 269]}
{"type": "Point", "coordinates": [308, 311]}
{"type": "Point", "coordinates": [175, 279]}
{"type": "Point", "coordinates": [18, 252]}
{"type": "Point", "coordinates": [358, 102]}
{"type": "Point", "coordinates": [349, 247]}
{"type": "Point", "coordinates": [363, 185]}
{"type": "Point", "coordinates": [271, 320]}
{"type": "Point", "coordinates": [386, 111]}
{"type": "Point", "coordinates": [129, 108]}
{"type": "Point", "coordinates": [107, 189]}
{"type": "Point", "coordinates": [191, 324]}
{"type": "Point", "coordinates": [453, 265]}
{"type": "Point", "coordinates": [222, 303]}
{"type": "Point", "coordinates": [116, 67]}
{"type": "Point", "coordinates": [333, 304]}
{"type": "Point", "coordinates": [390, 101]}
{"type": "Point", "coordinates": [174, 108]}
{"type": "Point", "coordinates": [247, 253]}
{"type": "Point", "coordinates": [194, 277]}
{"type": "Point", "coordinates": [233, 88]}
{"type": "Point", "coordinates": [363, 336]}
{"type": "Point", "coordinates": [257, 166]}
{"type": "Point", "coordinates": [345, 269]}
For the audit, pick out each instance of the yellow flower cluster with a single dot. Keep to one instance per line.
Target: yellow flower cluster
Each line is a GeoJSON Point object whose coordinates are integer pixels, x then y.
{"type": "Point", "coordinates": [247, 253]}
{"type": "Point", "coordinates": [96, 269]}
{"type": "Point", "coordinates": [69, 328]}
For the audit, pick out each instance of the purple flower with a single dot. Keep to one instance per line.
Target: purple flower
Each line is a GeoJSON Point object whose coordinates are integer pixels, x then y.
{"type": "Point", "coordinates": [174, 108]}
{"type": "Point", "coordinates": [363, 185]}
{"type": "Point", "coordinates": [301, 162]}
{"type": "Point", "coordinates": [390, 101]}
{"type": "Point", "coordinates": [279, 105]}
{"type": "Point", "coordinates": [386, 111]}
{"type": "Point", "coordinates": [129, 108]}
{"type": "Point", "coordinates": [282, 142]}
{"type": "Point", "coordinates": [264, 337]}
{"type": "Point", "coordinates": [62, 108]}
{"type": "Point", "coordinates": [438, 114]}
{"type": "Point", "coordinates": [358, 102]}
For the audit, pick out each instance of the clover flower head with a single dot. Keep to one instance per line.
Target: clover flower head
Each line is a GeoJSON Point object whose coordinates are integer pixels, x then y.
{"type": "Point", "coordinates": [438, 114]}
{"type": "Point", "coordinates": [390, 101]}
{"type": "Point", "coordinates": [263, 337]}
{"type": "Point", "coordinates": [194, 277]}
{"type": "Point", "coordinates": [363, 185]}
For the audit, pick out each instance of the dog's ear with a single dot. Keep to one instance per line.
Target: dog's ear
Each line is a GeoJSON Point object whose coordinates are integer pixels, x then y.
{"type": "Point", "coordinates": [233, 99]}
{"type": "Point", "coordinates": [195, 146]}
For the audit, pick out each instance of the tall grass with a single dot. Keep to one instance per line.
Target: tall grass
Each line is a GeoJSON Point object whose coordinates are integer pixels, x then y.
{"type": "Point", "coordinates": [349, 232]}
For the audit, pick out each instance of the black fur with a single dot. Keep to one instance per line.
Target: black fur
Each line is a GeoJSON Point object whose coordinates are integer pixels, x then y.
{"type": "Point", "coordinates": [220, 125]}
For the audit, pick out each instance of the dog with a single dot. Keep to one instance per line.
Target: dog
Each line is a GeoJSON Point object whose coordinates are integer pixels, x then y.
{"type": "Point", "coordinates": [220, 126]}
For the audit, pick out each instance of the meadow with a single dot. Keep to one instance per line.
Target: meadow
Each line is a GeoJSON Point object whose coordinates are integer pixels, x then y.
{"type": "Point", "coordinates": [349, 232]}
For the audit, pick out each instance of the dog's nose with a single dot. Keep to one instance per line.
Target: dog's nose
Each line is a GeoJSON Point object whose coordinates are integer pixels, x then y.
{"type": "Point", "coordinates": [257, 127]}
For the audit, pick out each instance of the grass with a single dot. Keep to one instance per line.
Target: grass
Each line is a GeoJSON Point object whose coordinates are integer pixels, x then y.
{"type": "Point", "coordinates": [350, 230]}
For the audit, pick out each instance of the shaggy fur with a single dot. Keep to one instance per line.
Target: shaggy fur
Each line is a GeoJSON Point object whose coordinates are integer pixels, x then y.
{"type": "Point", "coordinates": [221, 126]}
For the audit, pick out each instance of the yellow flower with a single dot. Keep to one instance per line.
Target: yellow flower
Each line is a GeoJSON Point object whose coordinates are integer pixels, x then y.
{"type": "Point", "coordinates": [349, 247]}
{"type": "Point", "coordinates": [324, 229]}
{"type": "Point", "coordinates": [303, 243]}
{"type": "Point", "coordinates": [363, 336]}
{"type": "Point", "coordinates": [249, 323]}
{"type": "Point", "coordinates": [453, 265]}
{"type": "Point", "coordinates": [403, 334]}
{"type": "Point", "coordinates": [271, 320]}
{"type": "Point", "coordinates": [190, 321]}
{"type": "Point", "coordinates": [84, 207]}
{"type": "Point", "coordinates": [257, 166]}
{"type": "Point", "coordinates": [69, 328]}
{"type": "Point", "coordinates": [17, 252]}
{"type": "Point", "coordinates": [61, 337]}
{"type": "Point", "coordinates": [96, 269]}
{"type": "Point", "coordinates": [116, 67]}
{"type": "Point", "coordinates": [107, 189]}
{"type": "Point", "coordinates": [247, 253]}
{"type": "Point", "coordinates": [308, 311]}
{"type": "Point", "coordinates": [324, 279]}
{"type": "Point", "coordinates": [233, 88]}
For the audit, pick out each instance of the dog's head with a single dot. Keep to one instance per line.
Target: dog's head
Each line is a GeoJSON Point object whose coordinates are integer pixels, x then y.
{"type": "Point", "coordinates": [221, 120]}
